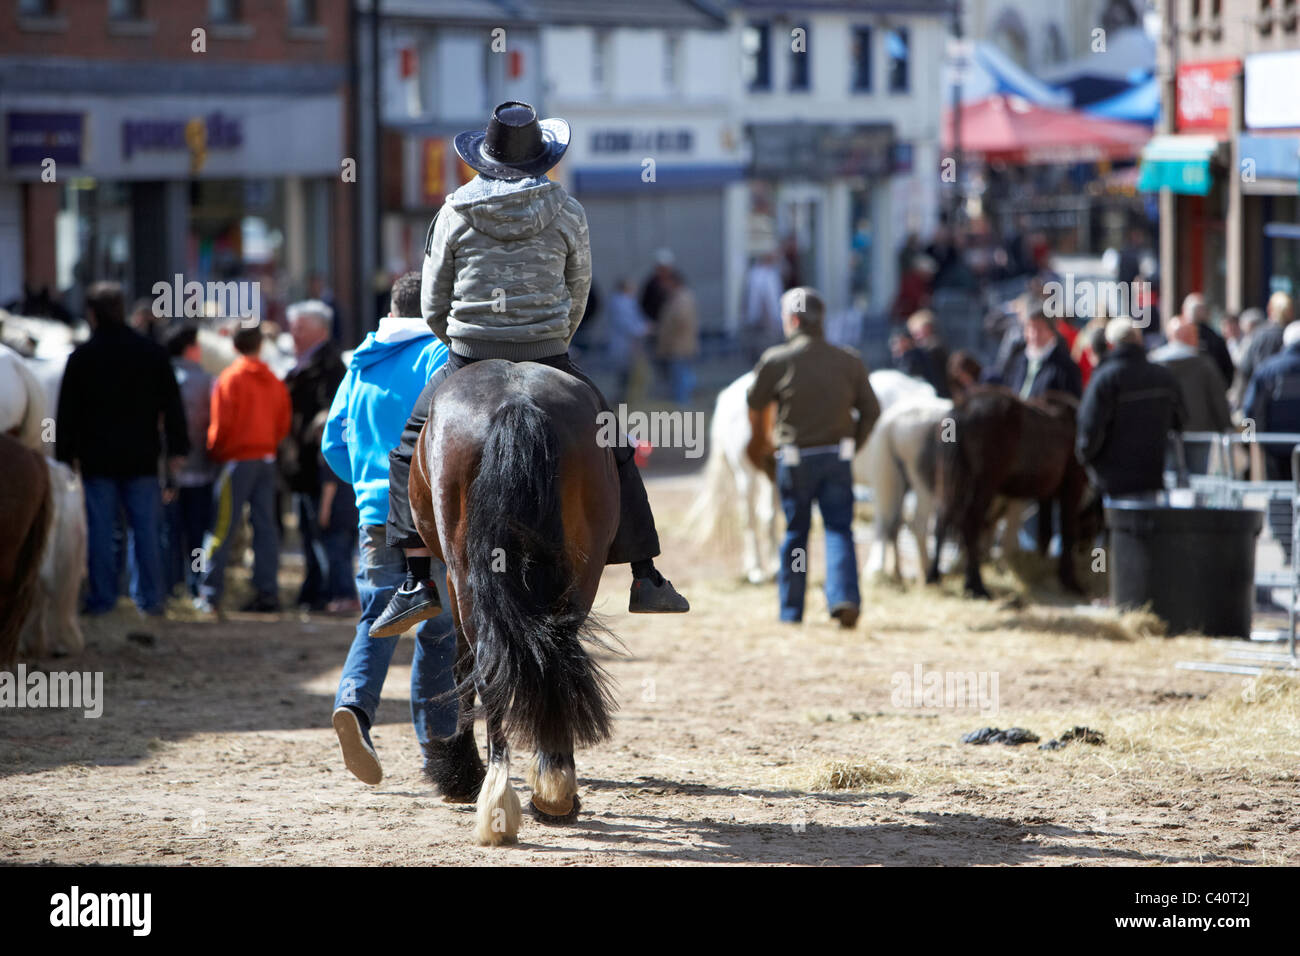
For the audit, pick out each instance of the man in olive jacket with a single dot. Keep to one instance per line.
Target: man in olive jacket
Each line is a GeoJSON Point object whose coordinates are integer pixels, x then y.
{"type": "Point", "coordinates": [825, 412]}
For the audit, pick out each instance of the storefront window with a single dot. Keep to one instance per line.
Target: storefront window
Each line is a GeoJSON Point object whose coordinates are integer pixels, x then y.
{"type": "Point", "coordinates": [92, 237]}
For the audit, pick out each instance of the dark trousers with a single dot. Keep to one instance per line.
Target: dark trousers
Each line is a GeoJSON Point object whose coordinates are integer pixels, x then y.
{"type": "Point", "coordinates": [327, 552]}
{"type": "Point", "coordinates": [636, 539]}
{"type": "Point", "coordinates": [185, 521]}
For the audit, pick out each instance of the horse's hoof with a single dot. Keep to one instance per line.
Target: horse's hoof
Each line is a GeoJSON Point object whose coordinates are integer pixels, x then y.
{"type": "Point", "coordinates": [555, 814]}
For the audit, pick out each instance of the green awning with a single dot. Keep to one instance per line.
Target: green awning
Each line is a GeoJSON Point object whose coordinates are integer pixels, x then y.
{"type": "Point", "coordinates": [1181, 163]}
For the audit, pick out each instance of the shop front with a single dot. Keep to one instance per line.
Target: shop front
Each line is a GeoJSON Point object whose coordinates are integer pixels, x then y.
{"type": "Point", "coordinates": [1270, 156]}
{"type": "Point", "coordinates": [141, 188]}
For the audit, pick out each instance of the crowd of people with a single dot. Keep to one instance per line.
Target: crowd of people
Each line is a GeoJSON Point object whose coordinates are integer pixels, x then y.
{"type": "Point", "coordinates": [164, 504]}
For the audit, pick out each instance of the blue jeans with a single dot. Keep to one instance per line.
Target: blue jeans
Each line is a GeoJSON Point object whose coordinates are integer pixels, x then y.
{"type": "Point", "coordinates": [141, 500]}
{"type": "Point", "coordinates": [380, 572]}
{"type": "Point", "coordinates": [185, 522]}
{"type": "Point", "coordinates": [242, 483]}
{"type": "Point", "coordinates": [681, 375]}
{"type": "Point", "coordinates": [823, 478]}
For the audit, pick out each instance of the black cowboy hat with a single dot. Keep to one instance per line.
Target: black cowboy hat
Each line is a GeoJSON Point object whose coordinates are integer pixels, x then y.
{"type": "Point", "coordinates": [516, 144]}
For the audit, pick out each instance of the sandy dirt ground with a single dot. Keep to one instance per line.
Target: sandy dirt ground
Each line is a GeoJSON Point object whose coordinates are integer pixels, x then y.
{"type": "Point", "coordinates": [738, 740]}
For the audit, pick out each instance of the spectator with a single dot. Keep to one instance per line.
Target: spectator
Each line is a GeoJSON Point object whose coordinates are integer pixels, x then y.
{"type": "Point", "coordinates": [921, 326]}
{"type": "Point", "coordinates": [1250, 322]}
{"type": "Point", "coordinates": [1044, 363]}
{"type": "Point", "coordinates": [1272, 402]}
{"type": "Point", "coordinates": [963, 373]}
{"type": "Point", "coordinates": [909, 358]}
{"type": "Point", "coordinates": [819, 388]}
{"type": "Point", "coordinates": [1205, 403]}
{"type": "Point", "coordinates": [143, 320]}
{"type": "Point", "coordinates": [117, 389]}
{"type": "Point", "coordinates": [628, 330]}
{"type": "Point", "coordinates": [1266, 341]}
{"type": "Point", "coordinates": [678, 342]}
{"type": "Point", "coordinates": [655, 291]}
{"type": "Point", "coordinates": [251, 413]}
{"type": "Point", "coordinates": [312, 383]}
{"type": "Point", "coordinates": [761, 327]}
{"type": "Point", "coordinates": [188, 511]}
{"type": "Point", "coordinates": [913, 287]}
{"type": "Point", "coordinates": [388, 371]}
{"type": "Point", "coordinates": [1082, 352]}
{"type": "Point", "coordinates": [1125, 418]}
{"type": "Point", "coordinates": [1211, 342]}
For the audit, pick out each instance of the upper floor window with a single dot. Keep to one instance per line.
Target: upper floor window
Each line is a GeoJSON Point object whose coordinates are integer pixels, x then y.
{"type": "Point", "coordinates": [223, 11]}
{"type": "Point", "coordinates": [756, 46]}
{"type": "Point", "coordinates": [862, 59]}
{"type": "Point", "coordinates": [673, 60]}
{"type": "Point", "coordinates": [600, 63]}
{"type": "Point", "coordinates": [800, 72]}
{"type": "Point", "coordinates": [302, 13]}
{"type": "Point", "coordinates": [125, 9]}
{"type": "Point", "coordinates": [1265, 17]}
{"type": "Point", "coordinates": [899, 53]}
{"type": "Point", "coordinates": [35, 8]}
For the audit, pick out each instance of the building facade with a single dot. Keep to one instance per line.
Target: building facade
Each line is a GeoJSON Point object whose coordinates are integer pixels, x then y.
{"type": "Point", "coordinates": [147, 139]}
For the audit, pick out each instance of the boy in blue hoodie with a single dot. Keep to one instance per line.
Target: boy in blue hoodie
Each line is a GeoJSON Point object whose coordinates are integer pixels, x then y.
{"type": "Point", "coordinates": [388, 371]}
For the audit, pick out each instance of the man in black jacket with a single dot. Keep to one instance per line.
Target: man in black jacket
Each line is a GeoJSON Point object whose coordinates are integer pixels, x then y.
{"type": "Point", "coordinates": [1125, 418]}
{"type": "Point", "coordinates": [1044, 364]}
{"type": "Point", "coordinates": [117, 388]}
{"type": "Point", "coordinates": [312, 384]}
{"type": "Point", "coordinates": [1211, 342]}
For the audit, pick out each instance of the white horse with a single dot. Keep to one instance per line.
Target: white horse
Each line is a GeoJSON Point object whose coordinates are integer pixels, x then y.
{"type": "Point", "coordinates": [53, 627]}
{"type": "Point", "coordinates": [900, 456]}
{"type": "Point", "coordinates": [729, 470]}
{"type": "Point", "coordinates": [23, 401]}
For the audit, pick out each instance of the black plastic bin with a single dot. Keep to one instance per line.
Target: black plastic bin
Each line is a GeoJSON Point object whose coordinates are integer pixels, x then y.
{"type": "Point", "coordinates": [1195, 566]}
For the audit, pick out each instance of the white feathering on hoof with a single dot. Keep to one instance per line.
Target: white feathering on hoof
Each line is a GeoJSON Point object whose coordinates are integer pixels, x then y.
{"type": "Point", "coordinates": [554, 790]}
{"type": "Point", "coordinates": [499, 813]}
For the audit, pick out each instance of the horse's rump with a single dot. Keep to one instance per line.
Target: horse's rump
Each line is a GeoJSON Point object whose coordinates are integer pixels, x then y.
{"type": "Point", "coordinates": [26, 512]}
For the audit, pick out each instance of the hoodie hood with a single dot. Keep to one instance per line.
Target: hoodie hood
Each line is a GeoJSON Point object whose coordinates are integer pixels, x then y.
{"type": "Point", "coordinates": [392, 337]}
{"type": "Point", "coordinates": [508, 210]}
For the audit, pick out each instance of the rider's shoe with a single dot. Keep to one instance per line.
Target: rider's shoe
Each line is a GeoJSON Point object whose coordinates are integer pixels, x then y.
{"type": "Point", "coordinates": [407, 608]}
{"type": "Point", "coordinates": [358, 752]}
{"type": "Point", "coordinates": [846, 614]}
{"type": "Point", "coordinates": [651, 596]}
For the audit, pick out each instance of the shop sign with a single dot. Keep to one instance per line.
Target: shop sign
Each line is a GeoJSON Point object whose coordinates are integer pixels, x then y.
{"type": "Point", "coordinates": [645, 142]}
{"type": "Point", "coordinates": [1271, 100]}
{"type": "Point", "coordinates": [198, 134]}
{"type": "Point", "coordinates": [33, 138]}
{"type": "Point", "coordinates": [1205, 94]}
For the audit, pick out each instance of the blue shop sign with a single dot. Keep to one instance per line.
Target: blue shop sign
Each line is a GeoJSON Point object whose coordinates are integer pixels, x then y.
{"type": "Point", "coordinates": [35, 137]}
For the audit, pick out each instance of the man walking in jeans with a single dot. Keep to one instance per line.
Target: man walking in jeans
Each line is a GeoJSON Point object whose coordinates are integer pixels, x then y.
{"type": "Point", "coordinates": [389, 369]}
{"type": "Point", "coordinates": [825, 412]}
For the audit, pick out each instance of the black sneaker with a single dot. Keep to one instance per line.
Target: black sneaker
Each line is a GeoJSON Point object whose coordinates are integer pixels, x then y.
{"type": "Point", "coordinates": [407, 608]}
{"type": "Point", "coordinates": [649, 597]}
{"type": "Point", "coordinates": [262, 604]}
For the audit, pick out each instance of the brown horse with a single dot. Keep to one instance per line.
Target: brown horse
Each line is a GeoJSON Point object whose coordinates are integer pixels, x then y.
{"type": "Point", "coordinates": [26, 510]}
{"type": "Point", "coordinates": [511, 488]}
{"type": "Point", "coordinates": [1003, 446]}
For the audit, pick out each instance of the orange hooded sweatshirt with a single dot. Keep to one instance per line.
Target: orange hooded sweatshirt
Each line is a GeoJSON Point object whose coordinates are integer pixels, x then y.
{"type": "Point", "coordinates": [250, 412]}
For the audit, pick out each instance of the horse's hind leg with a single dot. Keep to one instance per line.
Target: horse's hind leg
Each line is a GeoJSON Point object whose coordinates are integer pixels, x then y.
{"type": "Point", "coordinates": [554, 782]}
{"type": "Point", "coordinates": [499, 812]}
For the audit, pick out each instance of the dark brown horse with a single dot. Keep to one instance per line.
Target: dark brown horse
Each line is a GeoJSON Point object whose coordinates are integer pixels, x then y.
{"type": "Point", "coordinates": [26, 510]}
{"type": "Point", "coordinates": [1003, 446]}
{"type": "Point", "coordinates": [510, 487]}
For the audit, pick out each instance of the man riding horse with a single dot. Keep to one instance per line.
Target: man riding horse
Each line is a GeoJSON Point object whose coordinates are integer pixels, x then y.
{"type": "Point", "coordinates": [507, 270]}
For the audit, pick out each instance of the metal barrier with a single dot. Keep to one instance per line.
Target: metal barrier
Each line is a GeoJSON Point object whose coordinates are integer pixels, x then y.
{"type": "Point", "coordinates": [1225, 490]}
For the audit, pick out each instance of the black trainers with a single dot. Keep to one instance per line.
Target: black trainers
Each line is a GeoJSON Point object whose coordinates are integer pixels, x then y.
{"type": "Point", "coordinates": [407, 608]}
{"type": "Point", "coordinates": [846, 614]}
{"type": "Point", "coordinates": [354, 741]}
{"type": "Point", "coordinates": [649, 597]}
{"type": "Point", "coordinates": [262, 604]}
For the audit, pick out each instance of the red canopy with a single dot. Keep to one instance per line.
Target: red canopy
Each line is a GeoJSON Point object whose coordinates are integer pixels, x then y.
{"type": "Point", "coordinates": [1014, 130]}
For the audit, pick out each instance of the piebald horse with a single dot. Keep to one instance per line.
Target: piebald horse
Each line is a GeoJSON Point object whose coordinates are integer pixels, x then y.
{"type": "Point", "coordinates": [510, 487]}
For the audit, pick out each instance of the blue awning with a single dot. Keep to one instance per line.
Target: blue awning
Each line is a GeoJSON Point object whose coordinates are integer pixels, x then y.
{"type": "Point", "coordinates": [1138, 104]}
{"type": "Point", "coordinates": [1273, 157]}
{"type": "Point", "coordinates": [618, 179]}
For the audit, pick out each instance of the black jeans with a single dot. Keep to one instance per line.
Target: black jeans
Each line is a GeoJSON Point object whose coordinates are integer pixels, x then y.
{"type": "Point", "coordinates": [636, 538]}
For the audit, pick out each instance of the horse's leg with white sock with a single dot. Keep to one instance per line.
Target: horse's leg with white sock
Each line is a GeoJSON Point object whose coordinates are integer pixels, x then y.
{"type": "Point", "coordinates": [554, 782]}
{"type": "Point", "coordinates": [499, 812]}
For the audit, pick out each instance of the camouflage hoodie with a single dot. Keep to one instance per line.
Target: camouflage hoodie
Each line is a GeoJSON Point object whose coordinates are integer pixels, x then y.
{"type": "Point", "coordinates": [507, 269]}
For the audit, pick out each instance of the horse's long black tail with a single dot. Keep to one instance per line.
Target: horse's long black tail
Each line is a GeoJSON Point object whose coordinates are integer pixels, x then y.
{"type": "Point", "coordinates": [531, 668]}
